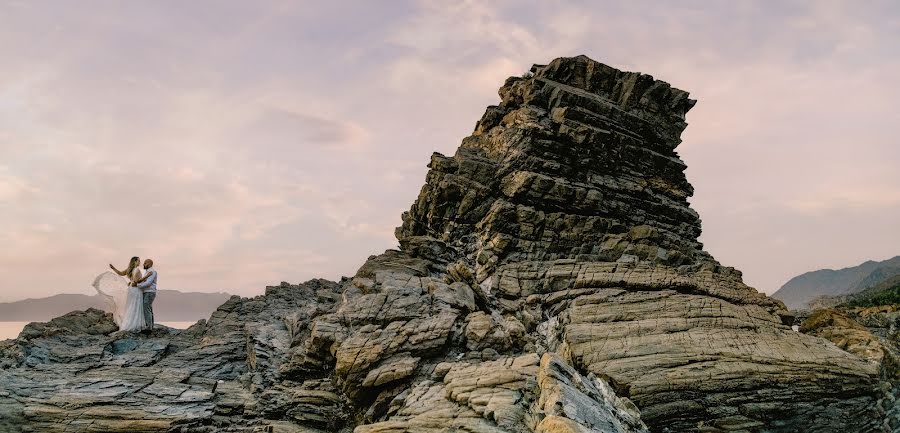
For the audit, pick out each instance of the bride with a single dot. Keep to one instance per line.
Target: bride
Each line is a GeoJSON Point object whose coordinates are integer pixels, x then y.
{"type": "Point", "coordinates": [125, 300]}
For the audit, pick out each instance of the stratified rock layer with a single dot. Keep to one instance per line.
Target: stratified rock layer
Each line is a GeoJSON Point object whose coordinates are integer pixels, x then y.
{"type": "Point", "coordinates": [75, 374]}
{"type": "Point", "coordinates": [569, 206]}
{"type": "Point", "coordinates": [550, 279]}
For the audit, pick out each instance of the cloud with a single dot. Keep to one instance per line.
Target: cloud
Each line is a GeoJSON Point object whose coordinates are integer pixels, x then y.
{"type": "Point", "coordinates": [868, 198]}
{"type": "Point", "coordinates": [289, 126]}
{"type": "Point", "coordinates": [242, 145]}
{"type": "Point", "coordinates": [796, 103]}
{"type": "Point", "coordinates": [12, 187]}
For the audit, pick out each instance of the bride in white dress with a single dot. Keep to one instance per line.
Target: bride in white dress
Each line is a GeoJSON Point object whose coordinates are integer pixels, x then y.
{"type": "Point", "coordinates": [125, 300]}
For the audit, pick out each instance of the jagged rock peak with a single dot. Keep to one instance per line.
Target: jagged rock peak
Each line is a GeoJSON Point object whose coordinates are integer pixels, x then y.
{"type": "Point", "coordinates": [638, 94]}
{"type": "Point", "coordinates": [577, 161]}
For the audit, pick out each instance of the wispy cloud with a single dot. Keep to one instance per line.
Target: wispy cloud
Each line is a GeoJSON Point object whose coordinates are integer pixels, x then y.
{"type": "Point", "coordinates": [243, 144]}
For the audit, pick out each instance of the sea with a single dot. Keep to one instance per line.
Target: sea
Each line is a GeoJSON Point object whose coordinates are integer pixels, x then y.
{"type": "Point", "coordinates": [12, 329]}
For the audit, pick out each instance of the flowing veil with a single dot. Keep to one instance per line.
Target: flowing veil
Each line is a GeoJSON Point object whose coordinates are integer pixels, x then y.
{"type": "Point", "coordinates": [114, 289]}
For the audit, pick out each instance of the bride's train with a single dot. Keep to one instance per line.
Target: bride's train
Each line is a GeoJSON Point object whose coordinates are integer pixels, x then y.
{"type": "Point", "coordinates": [125, 303]}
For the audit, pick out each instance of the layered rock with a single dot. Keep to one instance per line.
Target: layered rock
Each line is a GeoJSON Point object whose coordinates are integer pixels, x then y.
{"type": "Point", "coordinates": [872, 334]}
{"type": "Point", "coordinates": [569, 206]}
{"type": "Point", "coordinates": [550, 279]}
{"type": "Point", "coordinates": [76, 374]}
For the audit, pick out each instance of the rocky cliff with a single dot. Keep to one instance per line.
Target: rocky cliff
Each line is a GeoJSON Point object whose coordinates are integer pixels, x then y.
{"type": "Point", "coordinates": [549, 280]}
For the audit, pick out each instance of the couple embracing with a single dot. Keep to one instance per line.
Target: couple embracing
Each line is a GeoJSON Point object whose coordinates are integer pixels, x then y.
{"type": "Point", "coordinates": [130, 298]}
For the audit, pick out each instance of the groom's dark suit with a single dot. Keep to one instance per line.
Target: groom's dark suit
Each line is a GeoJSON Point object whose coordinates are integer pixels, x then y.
{"type": "Point", "coordinates": [148, 287]}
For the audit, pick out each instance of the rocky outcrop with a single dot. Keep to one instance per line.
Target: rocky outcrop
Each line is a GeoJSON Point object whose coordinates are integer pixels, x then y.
{"type": "Point", "coordinates": [568, 206]}
{"type": "Point", "coordinates": [872, 334]}
{"type": "Point", "coordinates": [550, 279]}
{"type": "Point", "coordinates": [77, 374]}
{"type": "Point", "coordinates": [847, 334]}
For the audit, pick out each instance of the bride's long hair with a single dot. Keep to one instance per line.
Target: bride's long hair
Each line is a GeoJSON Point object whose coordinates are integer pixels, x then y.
{"type": "Point", "coordinates": [135, 261]}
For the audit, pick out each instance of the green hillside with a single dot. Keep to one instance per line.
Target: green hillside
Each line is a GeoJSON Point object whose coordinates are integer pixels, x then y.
{"type": "Point", "coordinates": [884, 293]}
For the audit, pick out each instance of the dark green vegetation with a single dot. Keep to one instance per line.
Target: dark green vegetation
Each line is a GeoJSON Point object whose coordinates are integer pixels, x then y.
{"type": "Point", "coordinates": [884, 293]}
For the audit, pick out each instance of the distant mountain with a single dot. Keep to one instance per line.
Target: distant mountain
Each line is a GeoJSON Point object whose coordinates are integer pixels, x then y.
{"type": "Point", "coordinates": [170, 306]}
{"type": "Point", "coordinates": [884, 293]}
{"type": "Point", "coordinates": [800, 290]}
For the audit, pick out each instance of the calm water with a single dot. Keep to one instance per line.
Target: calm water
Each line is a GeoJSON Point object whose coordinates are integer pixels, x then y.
{"type": "Point", "coordinates": [12, 329]}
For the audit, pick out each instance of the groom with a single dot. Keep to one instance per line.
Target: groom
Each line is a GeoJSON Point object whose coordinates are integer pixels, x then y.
{"type": "Point", "coordinates": [148, 287]}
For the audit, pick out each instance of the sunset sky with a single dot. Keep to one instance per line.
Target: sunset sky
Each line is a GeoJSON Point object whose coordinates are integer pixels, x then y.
{"type": "Point", "coordinates": [245, 143]}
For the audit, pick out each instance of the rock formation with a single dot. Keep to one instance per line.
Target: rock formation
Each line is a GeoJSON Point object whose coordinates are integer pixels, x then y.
{"type": "Point", "coordinates": [549, 280]}
{"type": "Point", "coordinates": [872, 334]}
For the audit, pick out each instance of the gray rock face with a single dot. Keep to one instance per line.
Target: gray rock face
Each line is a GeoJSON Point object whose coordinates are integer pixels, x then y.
{"type": "Point", "coordinates": [569, 206]}
{"type": "Point", "coordinates": [872, 334]}
{"type": "Point", "coordinates": [549, 280]}
{"type": "Point", "coordinates": [77, 374]}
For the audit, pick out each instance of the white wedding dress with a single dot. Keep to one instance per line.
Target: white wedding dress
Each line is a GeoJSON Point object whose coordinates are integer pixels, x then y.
{"type": "Point", "coordinates": [126, 303]}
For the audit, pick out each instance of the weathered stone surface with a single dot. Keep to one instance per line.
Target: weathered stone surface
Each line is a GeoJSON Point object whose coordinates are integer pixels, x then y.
{"type": "Point", "coordinates": [846, 333]}
{"type": "Point", "coordinates": [569, 206]}
{"type": "Point", "coordinates": [550, 279]}
{"type": "Point", "coordinates": [510, 394]}
{"type": "Point", "coordinates": [873, 334]}
{"type": "Point", "coordinates": [76, 374]}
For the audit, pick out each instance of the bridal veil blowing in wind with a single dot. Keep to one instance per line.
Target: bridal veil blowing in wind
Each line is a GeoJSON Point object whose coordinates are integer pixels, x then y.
{"type": "Point", "coordinates": [124, 298]}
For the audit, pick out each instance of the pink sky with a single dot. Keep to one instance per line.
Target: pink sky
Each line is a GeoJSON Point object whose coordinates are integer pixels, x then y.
{"type": "Point", "coordinates": [244, 143]}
